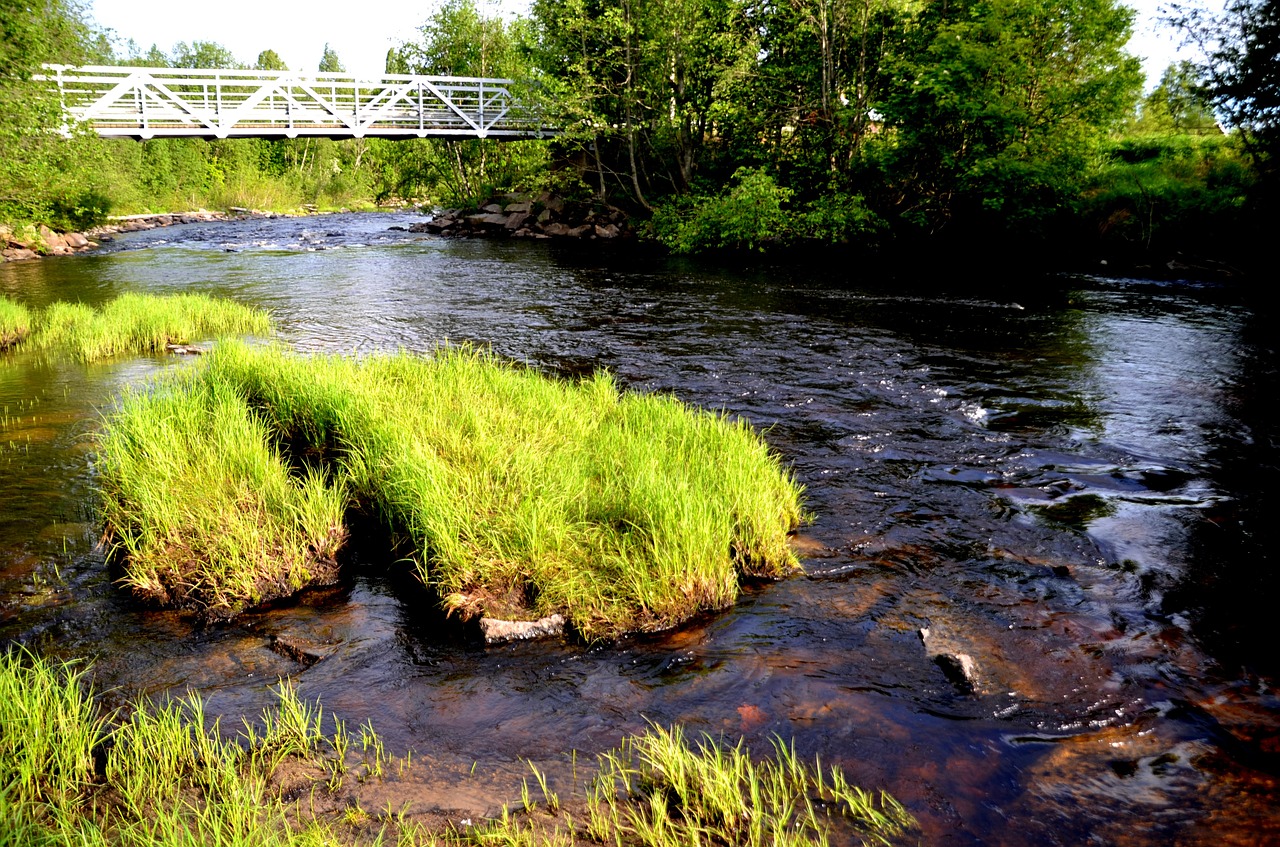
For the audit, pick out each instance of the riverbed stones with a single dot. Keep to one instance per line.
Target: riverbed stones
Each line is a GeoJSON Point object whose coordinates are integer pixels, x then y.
{"type": "Point", "coordinates": [497, 631]}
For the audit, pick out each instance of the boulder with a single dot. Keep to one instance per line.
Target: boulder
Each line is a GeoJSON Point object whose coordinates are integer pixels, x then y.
{"type": "Point", "coordinates": [492, 209]}
{"type": "Point", "coordinates": [51, 239]}
{"type": "Point", "coordinates": [496, 631]}
{"type": "Point", "coordinates": [960, 668]}
{"type": "Point", "coordinates": [545, 215]}
{"type": "Point", "coordinates": [517, 219]}
{"type": "Point", "coordinates": [608, 231]}
{"type": "Point", "coordinates": [580, 231]}
{"type": "Point", "coordinates": [76, 240]}
{"type": "Point", "coordinates": [518, 207]}
{"type": "Point", "coordinates": [491, 219]}
{"type": "Point", "coordinates": [555, 229]}
{"type": "Point", "coordinates": [13, 254]}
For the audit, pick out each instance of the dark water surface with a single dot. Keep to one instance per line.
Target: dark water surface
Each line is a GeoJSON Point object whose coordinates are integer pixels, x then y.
{"type": "Point", "coordinates": [1074, 483]}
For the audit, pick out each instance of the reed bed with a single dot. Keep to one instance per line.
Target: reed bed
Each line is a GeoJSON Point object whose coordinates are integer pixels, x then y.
{"type": "Point", "coordinates": [15, 323]}
{"type": "Point", "coordinates": [167, 774]}
{"type": "Point", "coordinates": [521, 496]}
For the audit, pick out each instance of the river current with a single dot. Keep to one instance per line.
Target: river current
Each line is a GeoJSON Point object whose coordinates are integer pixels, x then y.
{"type": "Point", "coordinates": [1070, 479]}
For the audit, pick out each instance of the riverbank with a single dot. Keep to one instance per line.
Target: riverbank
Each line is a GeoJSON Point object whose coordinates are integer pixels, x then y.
{"type": "Point", "coordinates": [36, 242]}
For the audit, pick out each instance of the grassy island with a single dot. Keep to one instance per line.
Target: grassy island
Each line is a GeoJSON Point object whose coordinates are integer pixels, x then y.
{"type": "Point", "coordinates": [519, 496]}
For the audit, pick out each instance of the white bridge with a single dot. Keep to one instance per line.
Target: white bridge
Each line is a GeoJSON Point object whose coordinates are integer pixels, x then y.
{"type": "Point", "coordinates": [182, 102]}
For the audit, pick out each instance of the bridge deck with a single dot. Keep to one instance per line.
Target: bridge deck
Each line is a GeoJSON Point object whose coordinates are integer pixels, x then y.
{"type": "Point", "coordinates": [209, 103]}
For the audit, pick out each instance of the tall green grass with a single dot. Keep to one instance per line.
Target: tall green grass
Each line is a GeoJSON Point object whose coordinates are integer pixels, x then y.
{"type": "Point", "coordinates": [141, 324]}
{"type": "Point", "coordinates": [15, 323]}
{"type": "Point", "coordinates": [661, 789]}
{"type": "Point", "coordinates": [167, 774]}
{"type": "Point", "coordinates": [204, 508]}
{"type": "Point", "coordinates": [521, 495]}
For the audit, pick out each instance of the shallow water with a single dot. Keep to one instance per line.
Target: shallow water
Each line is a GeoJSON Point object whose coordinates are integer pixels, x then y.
{"type": "Point", "coordinates": [1071, 479]}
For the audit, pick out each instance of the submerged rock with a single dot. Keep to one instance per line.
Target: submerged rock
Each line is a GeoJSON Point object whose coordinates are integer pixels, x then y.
{"type": "Point", "coordinates": [497, 631]}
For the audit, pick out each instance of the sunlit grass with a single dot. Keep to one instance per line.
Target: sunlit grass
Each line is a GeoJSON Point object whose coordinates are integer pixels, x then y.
{"type": "Point", "coordinates": [166, 775]}
{"type": "Point", "coordinates": [203, 507]}
{"type": "Point", "coordinates": [15, 322]}
{"type": "Point", "coordinates": [521, 495]}
{"type": "Point", "coordinates": [169, 774]}
{"type": "Point", "coordinates": [660, 788]}
{"type": "Point", "coordinates": [141, 324]}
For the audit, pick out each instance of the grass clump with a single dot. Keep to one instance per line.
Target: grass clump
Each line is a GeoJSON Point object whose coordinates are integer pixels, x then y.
{"type": "Point", "coordinates": [166, 775]}
{"type": "Point", "coordinates": [661, 789]}
{"type": "Point", "coordinates": [49, 730]}
{"type": "Point", "coordinates": [520, 495]}
{"type": "Point", "coordinates": [15, 323]}
{"type": "Point", "coordinates": [142, 324]}
{"type": "Point", "coordinates": [204, 508]}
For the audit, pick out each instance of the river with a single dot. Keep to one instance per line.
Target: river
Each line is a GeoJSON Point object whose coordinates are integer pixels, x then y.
{"type": "Point", "coordinates": [1072, 479]}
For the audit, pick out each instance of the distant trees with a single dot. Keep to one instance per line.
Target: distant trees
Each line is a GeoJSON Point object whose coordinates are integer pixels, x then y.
{"type": "Point", "coordinates": [458, 39]}
{"type": "Point", "coordinates": [269, 60]}
{"type": "Point", "coordinates": [329, 61]}
{"type": "Point", "coordinates": [1241, 68]}
{"type": "Point", "coordinates": [202, 54]}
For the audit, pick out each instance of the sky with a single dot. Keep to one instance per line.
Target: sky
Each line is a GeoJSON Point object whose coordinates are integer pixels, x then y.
{"type": "Point", "coordinates": [361, 32]}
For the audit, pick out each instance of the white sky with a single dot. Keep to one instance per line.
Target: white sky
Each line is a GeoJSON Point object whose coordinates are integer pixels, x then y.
{"type": "Point", "coordinates": [361, 32]}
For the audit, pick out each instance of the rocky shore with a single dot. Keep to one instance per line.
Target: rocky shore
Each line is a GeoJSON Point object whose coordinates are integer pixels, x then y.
{"type": "Point", "coordinates": [32, 242]}
{"type": "Point", "coordinates": [546, 216]}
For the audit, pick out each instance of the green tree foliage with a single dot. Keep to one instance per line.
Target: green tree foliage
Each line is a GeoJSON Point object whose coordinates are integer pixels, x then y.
{"type": "Point", "coordinates": [44, 175]}
{"type": "Point", "coordinates": [1178, 105]}
{"type": "Point", "coordinates": [330, 63]}
{"type": "Point", "coordinates": [646, 81]}
{"type": "Point", "coordinates": [818, 83]}
{"type": "Point", "coordinates": [269, 60]}
{"type": "Point", "coordinates": [996, 105]}
{"type": "Point", "coordinates": [458, 39]}
{"type": "Point", "coordinates": [202, 54]}
{"type": "Point", "coordinates": [1241, 68]}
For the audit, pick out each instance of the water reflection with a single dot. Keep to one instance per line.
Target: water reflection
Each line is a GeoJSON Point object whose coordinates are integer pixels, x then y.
{"type": "Point", "coordinates": [1070, 480]}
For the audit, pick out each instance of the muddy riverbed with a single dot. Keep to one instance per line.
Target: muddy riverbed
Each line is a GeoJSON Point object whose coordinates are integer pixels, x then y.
{"type": "Point", "coordinates": [1071, 480]}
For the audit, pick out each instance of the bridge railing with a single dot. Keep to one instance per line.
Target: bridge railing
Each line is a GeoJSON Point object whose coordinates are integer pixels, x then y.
{"type": "Point", "coordinates": [211, 103]}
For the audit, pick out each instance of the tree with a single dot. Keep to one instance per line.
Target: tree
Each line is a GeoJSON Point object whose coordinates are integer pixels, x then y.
{"type": "Point", "coordinates": [269, 60]}
{"type": "Point", "coordinates": [458, 39]}
{"type": "Point", "coordinates": [1241, 68]}
{"type": "Point", "coordinates": [1180, 104]}
{"type": "Point", "coordinates": [43, 175]}
{"type": "Point", "coordinates": [330, 63]}
{"type": "Point", "coordinates": [996, 104]}
{"type": "Point", "coordinates": [202, 54]}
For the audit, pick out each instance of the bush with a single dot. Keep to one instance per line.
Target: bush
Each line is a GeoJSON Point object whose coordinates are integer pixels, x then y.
{"type": "Point", "coordinates": [748, 216]}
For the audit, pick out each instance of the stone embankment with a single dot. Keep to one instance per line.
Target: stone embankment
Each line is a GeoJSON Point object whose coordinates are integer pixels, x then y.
{"type": "Point", "coordinates": [31, 242]}
{"type": "Point", "coordinates": [512, 216]}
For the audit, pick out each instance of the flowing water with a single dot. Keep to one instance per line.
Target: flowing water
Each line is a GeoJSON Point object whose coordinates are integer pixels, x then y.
{"type": "Point", "coordinates": [1073, 481]}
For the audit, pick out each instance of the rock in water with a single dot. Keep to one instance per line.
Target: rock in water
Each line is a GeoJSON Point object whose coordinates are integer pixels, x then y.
{"type": "Point", "coordinates": [960, 667]}
{"type": "Point", "coordinates": [496, 631]}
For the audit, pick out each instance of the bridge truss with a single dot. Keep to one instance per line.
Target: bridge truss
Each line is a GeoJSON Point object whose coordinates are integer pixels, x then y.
{"type": "Point", "coordinates": [183, 102]}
